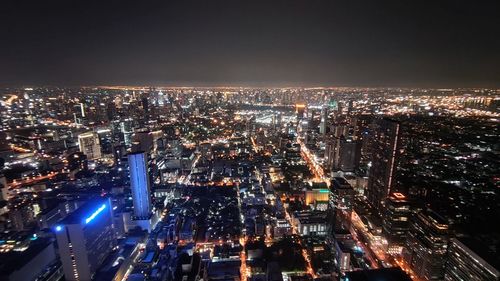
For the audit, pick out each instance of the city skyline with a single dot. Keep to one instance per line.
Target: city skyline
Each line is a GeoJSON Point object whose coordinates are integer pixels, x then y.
{"type": "Point", "coordinates": [264, 140]}
{"type": "Point", "coordinates": [315, 184]}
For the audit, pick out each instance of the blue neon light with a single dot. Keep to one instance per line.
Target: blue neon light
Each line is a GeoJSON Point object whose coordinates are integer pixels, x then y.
{"type": "Point", "coordinates": [97, 212]}
{"type": "Point", "coordinates": [58, 228]}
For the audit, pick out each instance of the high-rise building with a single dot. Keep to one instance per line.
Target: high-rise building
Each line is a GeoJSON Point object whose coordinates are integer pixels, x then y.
{"type": "Point", "coordinates": [140, 184]}
{"type": "Point", "coordinates": [465, 264]}
{"type": "Point", "coordinates": [324, 120]}
{"type": "Point", "coordinates": [332, 153]}
{"type": "Point", "coordinates": [349, 154]}
{"type": "Point", "coordinates": [127, 129]}
{"type": "Point", "coordinates": [105, 140]}
{"type": "Point", "coordinates": [396, 220]}
{"type": "Point", "coordinates": [341, 202]}
{"type": "Point", "coordinates": [279, 121]}
{"type": "Point", "coordinates": [426, 245]}
{"type": "Point", "coordinates": [79, 113]}
{"type": "Point", "coordinates": [299, 110]}
{"type": "Point", "coordinates": [143, 140]}
{"type": "Point", "coordinates": [90, 145]}
{"type": "Point", "coordinates": [145, 107]}
{"type": "Point", "coordinates": [385, 141]}
{"type": "Point", "coordinates": [342, 153]}
{"type": "Point", "coordinates": [342, 194]}
{"type": "Point", "coordinates": [85, 238]}
{"type": "Point", "coordinates": [21, 215]}
{"type": "Point", "coordinates": [110, 111]}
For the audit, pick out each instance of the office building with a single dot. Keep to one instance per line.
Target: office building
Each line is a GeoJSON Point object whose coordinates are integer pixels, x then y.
{"type": "Point", "coordinates": [90, 145]}
{"type": "Point", "coordinates": [106, 140]}
{"type": "Point", "coordinates": [341, 202]}
{"type": "Point", "coordinates": [141, 188]}
{"type": "Point", "coordinates": [85, 238]}
{"type": "Point", "coordinates": [385, 141]}
{"type": "Point", "coordinates": [310, 223]}
{"type": "Point", "coordinates": [332, 153]}
{"type": "Point", "coordinates": [30, 263]}
{"type": "Point", "coordinates": [342, 196]}
{"type": "Point", "coordinates": [343, 253]}
{"type": "Point", "coordinates": [426, 245]}
{"type": "Point", "coordinates": [317, 195]}
{"type": "Point", "coordinates": [324, 121]}
{"type": "Point", "coordinates": [110, 111]}
{"type": "Point", "coordinates": [127, 130]}
{"type": "Point", "coordinates": [396, 220]}
{"type": "Point", "coordinates": [349, 154]}
{"type": "Point", "coordinates": [317, 198]}
{"type": "Point", "coordinates": [466, 264]}
{"type": "Point", "coordinates": [79, 113]}
{"type": "Point", "coordinates": [143, 140]}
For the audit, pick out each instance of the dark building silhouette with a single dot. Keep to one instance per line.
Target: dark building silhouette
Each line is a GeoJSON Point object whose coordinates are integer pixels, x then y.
{"type": "Point", "coordinates": [385, 141]}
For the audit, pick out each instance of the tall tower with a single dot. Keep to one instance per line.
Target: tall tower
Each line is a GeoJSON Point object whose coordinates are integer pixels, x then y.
{"type": "Point", "coordinates": [86, 237]}
{"type": "Point", "coordinates": [79, 113]}
{"type": "Point", "coordinates": [385, 146]}
{"type": "Point", "coordinates": [140, 185]}
{"type": "Point", "coordinates": [324, 120]}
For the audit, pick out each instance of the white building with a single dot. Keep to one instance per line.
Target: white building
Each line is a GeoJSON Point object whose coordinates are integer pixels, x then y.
{"type": "Point", "coordinates": [90, 145]}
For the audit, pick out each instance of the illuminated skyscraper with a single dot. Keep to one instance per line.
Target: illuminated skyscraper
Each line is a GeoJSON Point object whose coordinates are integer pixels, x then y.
{"type": "Point", "coordinates": [127, 129]}
{"type": "Point", "coordinates": [105, 140]}
{"type": "Point", "coordinates": [426, 245]}
{"type": "Point", "coordinates": [90, 145]}
{"type": "Point", "coordinates": [385, 141]}
{"type": "Point", "coordinates": [85, 238]}
{"type": "Point", "coordinates": [79, 113]}
{"type": "Point", "coordinates": [396, 220]}
{"type": "Point", "coordinates": [140, 185]}
{"type": "Point", "coordinates": [465, 264]}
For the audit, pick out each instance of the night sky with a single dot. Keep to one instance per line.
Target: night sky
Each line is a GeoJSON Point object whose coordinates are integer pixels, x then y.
{"type": "Point", "coordinates": [250, 43]}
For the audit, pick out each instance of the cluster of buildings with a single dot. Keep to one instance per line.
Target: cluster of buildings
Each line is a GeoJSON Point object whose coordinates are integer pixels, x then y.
{"type": "Point", "coordinates": [248, 184]}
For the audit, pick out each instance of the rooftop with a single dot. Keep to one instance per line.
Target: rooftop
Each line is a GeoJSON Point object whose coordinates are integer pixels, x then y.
{"type": "Point", "coordinates": [87, 211]}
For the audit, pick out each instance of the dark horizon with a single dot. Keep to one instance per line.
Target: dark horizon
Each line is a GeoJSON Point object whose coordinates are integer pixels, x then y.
{"type": "Point", "coordinates": [445, 44]}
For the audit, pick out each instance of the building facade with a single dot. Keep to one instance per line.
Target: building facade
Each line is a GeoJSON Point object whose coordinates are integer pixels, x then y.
{"type": "Point", "coordinates": [385, 141]}
{"type": "Point", "coordinates": [89, 145]}
{"type": "Point", "coordinates": [141, 187]}
{"type": "Point", "coordinates": [426, 245]}
{"type": "Point", "coordinates": [464, 264]}
{"type": "Point", "coordinates": [85, 238]}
